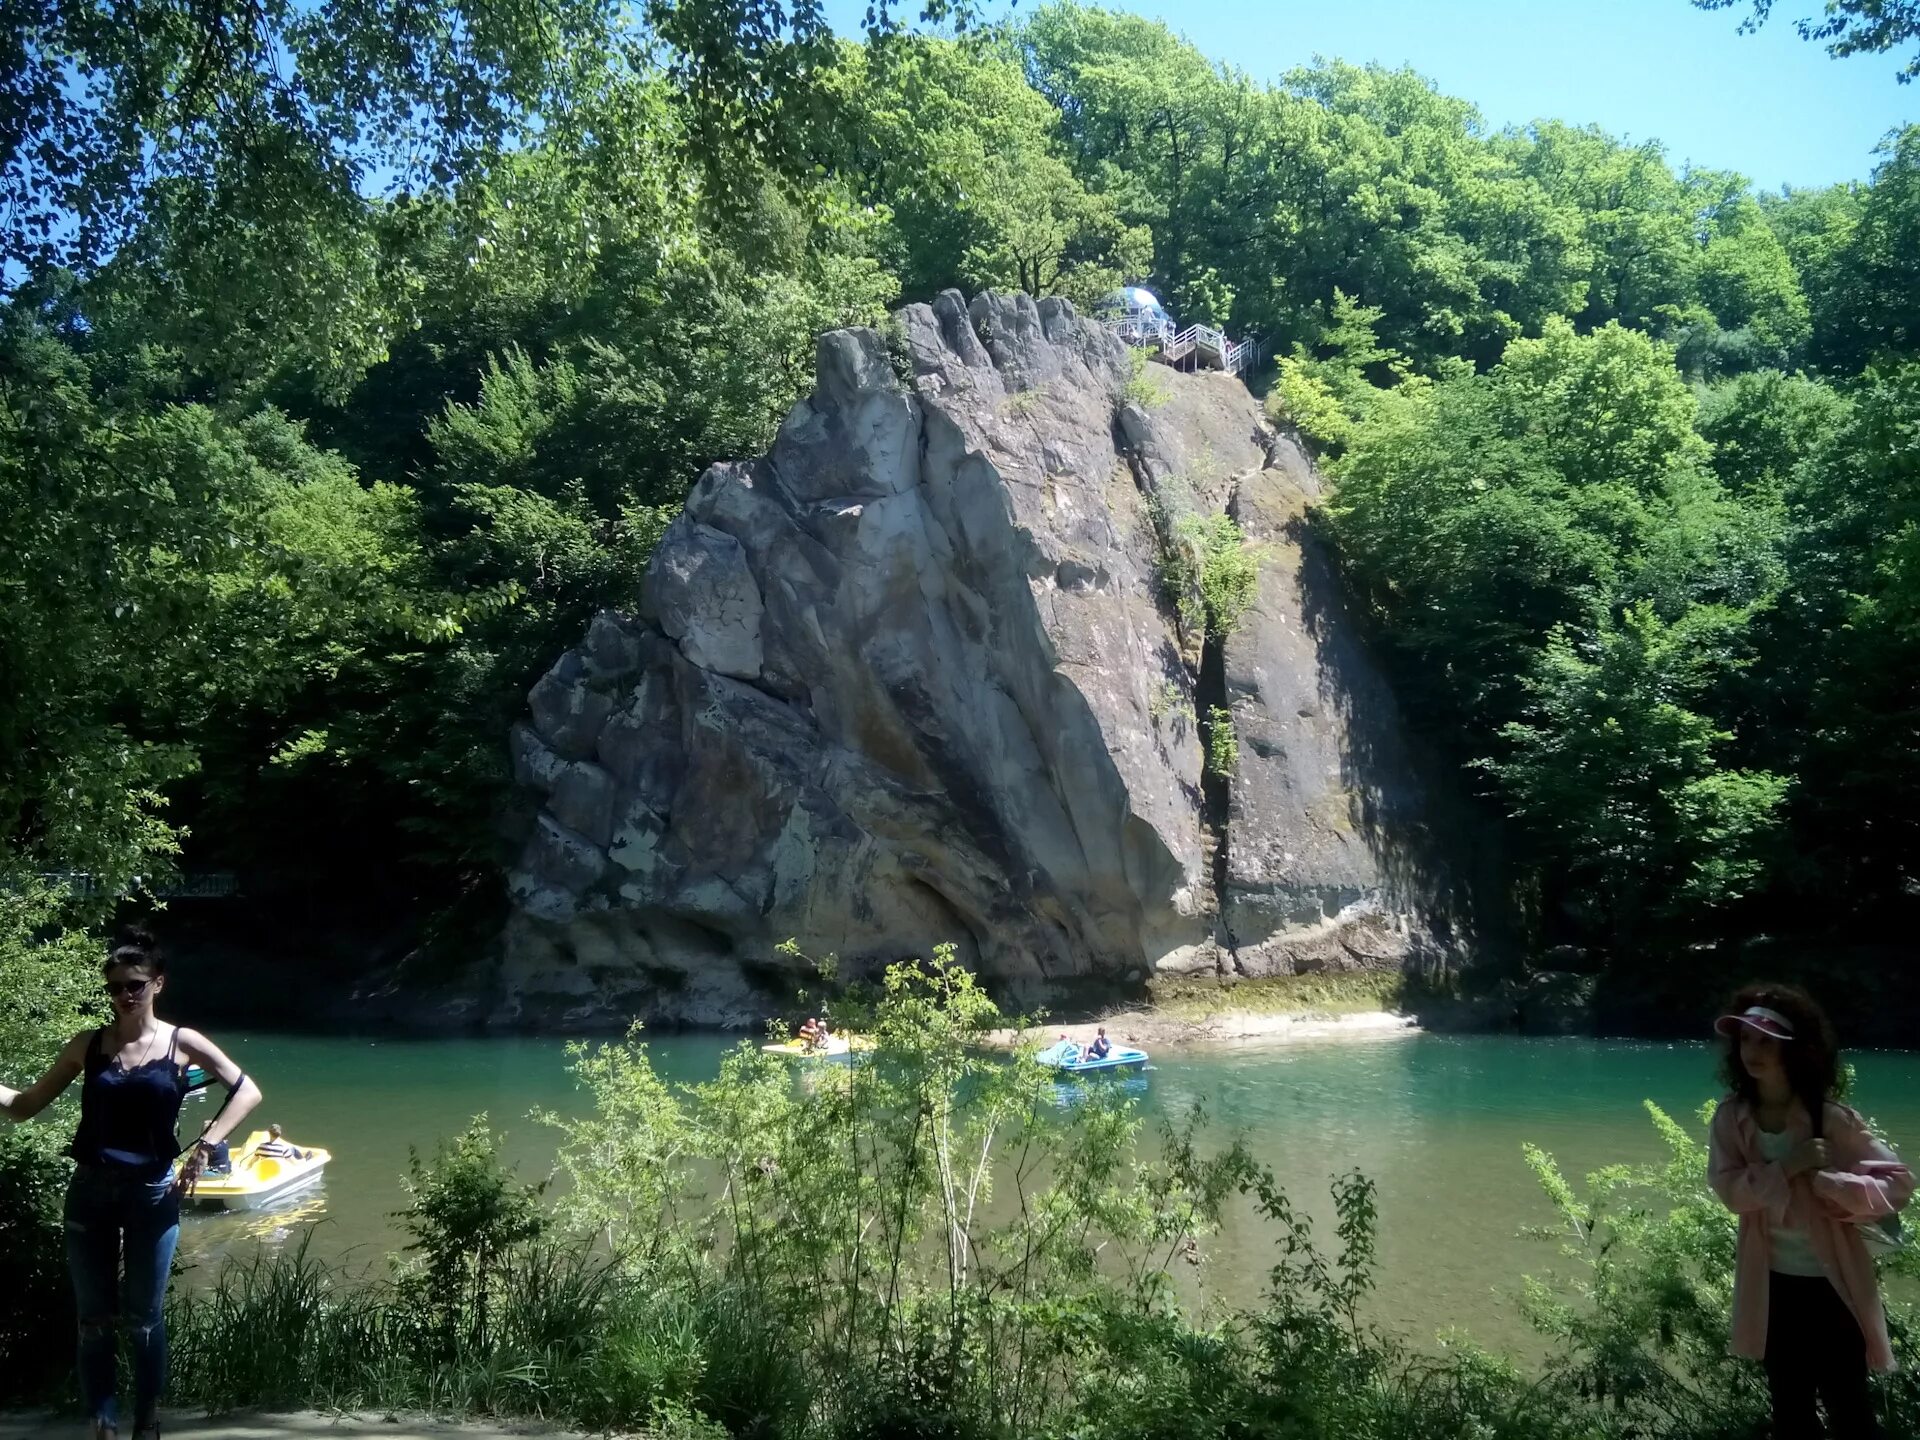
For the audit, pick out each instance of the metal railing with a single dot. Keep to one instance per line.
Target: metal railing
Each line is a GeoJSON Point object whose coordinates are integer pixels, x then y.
{"type": "Point", "coordinates": [1199, 342]}
{"type": "Point", "coordinates": [202, 885]}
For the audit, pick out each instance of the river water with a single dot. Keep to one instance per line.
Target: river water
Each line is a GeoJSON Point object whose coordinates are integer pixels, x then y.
{"type": "Point", "coordinates": [1436, 1121]}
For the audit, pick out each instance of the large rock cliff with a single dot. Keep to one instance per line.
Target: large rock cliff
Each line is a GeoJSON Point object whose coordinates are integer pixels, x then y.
{"type": "Point", "coordinates": [912, 678]}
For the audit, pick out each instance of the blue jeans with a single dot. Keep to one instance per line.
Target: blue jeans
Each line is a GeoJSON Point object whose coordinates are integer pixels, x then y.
{"type": "Point", "coordinates": [103, 1208]}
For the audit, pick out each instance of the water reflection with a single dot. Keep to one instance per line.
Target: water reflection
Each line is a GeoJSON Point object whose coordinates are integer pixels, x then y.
{"type": "Point", "coordinates": [1097, 1088]}
{"type": "Point", "coordinates": [209, 1236]}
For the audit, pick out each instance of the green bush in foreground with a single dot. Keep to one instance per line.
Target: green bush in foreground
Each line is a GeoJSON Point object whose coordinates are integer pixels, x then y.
{"type": "Point", "coordinates": [940, 1243]}
{"type": "Point", "coordinates": [49, 991]}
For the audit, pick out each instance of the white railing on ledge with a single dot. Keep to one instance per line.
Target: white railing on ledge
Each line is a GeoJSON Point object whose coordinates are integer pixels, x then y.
{"type": "Point", "coordinates": [1211, 346]}
{"type": "Point", "coordinates": [195, 885]}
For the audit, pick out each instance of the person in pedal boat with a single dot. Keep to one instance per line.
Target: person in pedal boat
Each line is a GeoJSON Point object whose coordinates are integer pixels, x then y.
{"type": "Point", "coordinates": [1101, 1046]}
{"type": "Point", "coordinates": [126, 1187]}
{"type": "Point", "coordinates": [278, 1147]}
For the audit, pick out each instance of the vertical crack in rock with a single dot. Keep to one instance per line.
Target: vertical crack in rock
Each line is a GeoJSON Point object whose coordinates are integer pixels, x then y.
{"type": "Point", "coordinates": [1216, 789]}
{"type": "Point", "coordinates": [1210, 699]}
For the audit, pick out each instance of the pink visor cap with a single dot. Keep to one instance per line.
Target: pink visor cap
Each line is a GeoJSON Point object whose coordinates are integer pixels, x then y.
{"type": "Point", "coordinates": [1757, 1017]}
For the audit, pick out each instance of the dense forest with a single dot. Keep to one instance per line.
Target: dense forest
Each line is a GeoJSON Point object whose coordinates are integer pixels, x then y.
{"type": "Point", "coordinates": [354, 354]}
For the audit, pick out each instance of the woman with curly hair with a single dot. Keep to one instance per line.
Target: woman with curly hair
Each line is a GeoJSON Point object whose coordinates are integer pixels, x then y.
{"type": "Point", "coordinates": [1806, 1177]}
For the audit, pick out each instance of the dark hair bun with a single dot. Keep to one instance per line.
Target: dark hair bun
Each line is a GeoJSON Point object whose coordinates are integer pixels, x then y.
{"type": "Point", "coordinates": [136, 947]}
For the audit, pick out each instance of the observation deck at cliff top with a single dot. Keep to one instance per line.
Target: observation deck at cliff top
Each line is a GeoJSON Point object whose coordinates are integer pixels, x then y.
{"type": "Point", "coordinates": [1138, 318]}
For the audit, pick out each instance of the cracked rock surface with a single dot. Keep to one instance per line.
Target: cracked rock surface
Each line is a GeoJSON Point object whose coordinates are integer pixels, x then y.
{"type": "Point", "coordinates": [910, 679]}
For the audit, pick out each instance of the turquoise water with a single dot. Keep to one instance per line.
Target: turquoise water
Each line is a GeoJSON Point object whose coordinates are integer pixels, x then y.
{"type": "Point", "coordinates": [1436, 1121]}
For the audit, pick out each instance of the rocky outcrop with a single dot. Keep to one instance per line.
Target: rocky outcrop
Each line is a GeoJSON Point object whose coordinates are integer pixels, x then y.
{"type": "Point", "coordinates": [910, 679]}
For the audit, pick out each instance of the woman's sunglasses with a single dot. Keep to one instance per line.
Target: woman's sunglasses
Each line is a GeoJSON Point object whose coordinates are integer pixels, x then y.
{"type": "Point", "coordinates": [132, 989]}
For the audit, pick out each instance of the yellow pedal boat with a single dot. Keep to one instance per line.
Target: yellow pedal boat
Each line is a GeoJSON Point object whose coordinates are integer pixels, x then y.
{"type": "Point", "coordinates": [838, 1047]}
{"type": "Point", "coordinates": [266, 1169]}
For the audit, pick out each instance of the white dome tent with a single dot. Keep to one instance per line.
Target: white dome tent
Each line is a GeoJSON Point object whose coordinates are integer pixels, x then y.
{"type": "Point", "coordinates": [1137, 314]}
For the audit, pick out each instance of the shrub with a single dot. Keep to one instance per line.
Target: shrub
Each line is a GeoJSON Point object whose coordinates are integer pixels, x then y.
{"type": "Point", "coordinates": [1143, 387]}
{"type": "Point", "coordinates": [49, 991]}
{"type": "Point", "coordinates": [1228, 570]}
{"type": "Point", "coordinates": [1207, 571]}
{"type": "Point", "coordinates": [466, 1217]}
{"type": "Point", "coordinates": [1642, 1321]}
{"type": "Point", "coordinates": [1223, 748]}
{"type": "Point", "coordinates": [1167, 701]}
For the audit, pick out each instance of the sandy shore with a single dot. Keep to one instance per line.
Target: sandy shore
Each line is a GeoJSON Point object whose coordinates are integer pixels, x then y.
{"type": "Point", "coordinates": [1148, 1028]}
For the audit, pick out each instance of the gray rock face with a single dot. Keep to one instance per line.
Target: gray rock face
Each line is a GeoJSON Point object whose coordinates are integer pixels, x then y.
{"type": "Point", "coordinates": [910, 680]}
{"type": "Point", "coordinates": [1332, 860]}
{"type": "Point", "coordinates": [702, 594]}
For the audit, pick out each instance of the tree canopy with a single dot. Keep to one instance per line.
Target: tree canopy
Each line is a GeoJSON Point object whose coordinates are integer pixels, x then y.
{"type": "Point", "coordinates": [352, 355]}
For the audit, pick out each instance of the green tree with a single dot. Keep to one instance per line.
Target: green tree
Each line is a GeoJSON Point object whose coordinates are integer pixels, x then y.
{"type": "Point", "coordinates": [1850, 27]}
{"type": "Point", "coordinates": [1869, 308]}
{"type": "Point", "coordinates": [967, 160]}
{"type": "Point", "coordinates": [1614, 777]}
{"type": "Point", "coordinates": [1844, 652]}
{"type": "Point", "coordinates": [1762, 425]}
{"type": "Point", "coordinates": [1550, 556]}
{"type": "Point", "coordinates": [1637, 223]}
{"type": "Point", "coordinates": [1748, 283]}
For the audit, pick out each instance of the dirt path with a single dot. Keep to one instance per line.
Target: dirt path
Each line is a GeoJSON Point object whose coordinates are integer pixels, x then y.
{"type": "Point", "coordinates": [177, 1426]}
{"type": "Point", "coordinates": [1147, 1028]}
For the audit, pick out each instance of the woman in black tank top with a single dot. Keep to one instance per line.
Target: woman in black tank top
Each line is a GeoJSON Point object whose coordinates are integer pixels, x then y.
{"type": "Point", "coordinates": [125, 1194]}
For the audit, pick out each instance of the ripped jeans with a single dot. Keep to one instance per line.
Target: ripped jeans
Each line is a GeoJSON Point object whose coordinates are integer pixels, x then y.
{"type": "Point", "coordinates": [103, 1207]}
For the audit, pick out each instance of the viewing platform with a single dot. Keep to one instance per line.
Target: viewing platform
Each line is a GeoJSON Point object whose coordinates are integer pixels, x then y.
{"type": "Point", "coordinates": [1137, 317]}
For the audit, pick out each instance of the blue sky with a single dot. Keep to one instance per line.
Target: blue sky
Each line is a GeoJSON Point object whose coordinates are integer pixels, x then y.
{"type": "Point", "coordinates": [1771, 105]}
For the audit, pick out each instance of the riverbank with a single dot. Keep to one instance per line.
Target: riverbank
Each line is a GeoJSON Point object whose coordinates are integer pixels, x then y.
{"type": "Point", "coordinates": [1156, 1028]}
{"type": "Point", "coordinates": [1345, 1005]}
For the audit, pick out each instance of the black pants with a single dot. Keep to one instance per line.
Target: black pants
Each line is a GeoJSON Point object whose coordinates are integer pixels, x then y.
{"type": "Point", "coordinates": [1815, 1348]}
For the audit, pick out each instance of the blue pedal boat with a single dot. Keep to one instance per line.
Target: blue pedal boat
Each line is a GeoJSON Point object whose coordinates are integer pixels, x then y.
{"type": "Point", "coordinates": [1071, 1059]}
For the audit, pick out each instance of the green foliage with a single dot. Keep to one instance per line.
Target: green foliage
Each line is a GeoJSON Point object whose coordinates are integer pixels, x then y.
{"type": "Point", "coordinates": [1868, 299]}
{"type": "Point", "coordinates": [1763, 425]}
{"type": "Point", "coordinates": [829, 1266]}
{"type": "Point", "coordinates": [306, 485]}
{"type": "Point", "coordinates": [1223, 748]}
{"type": "Point", "coordinates": [1551, 553]}
{"type": "Point", "coordinates": [1143, 387]}
{"type": "Point", "coordinates": [465, 1216]}
{"type": "Point", "coordinates": [1207, 571]}
{"type": "Point", "coordinates": [1841, 669]}
{"type": "Point", "coordinates": [1850, 27]}
{"type": "Point", "coordinates": [49, 992]}
{"type": "Point", "coordinates": [1327, 398]}
{"type": "Point", "coordinates": [49, 980]}
{"type": "Point", "coordinates": [1644, 1317]}
{"type": "Point", "coordinates": [1229, 571]}
{"type": "Point", "coordinates": [774, 1256]}
{"type": "Point", "coordinates": [1168, 701]}
{"type": "Point", "coordinates": [1616, 779]}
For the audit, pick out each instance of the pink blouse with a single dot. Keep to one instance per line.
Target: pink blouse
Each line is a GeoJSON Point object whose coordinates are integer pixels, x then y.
{"type": "Point", "coordinates": [1868, 1182]}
